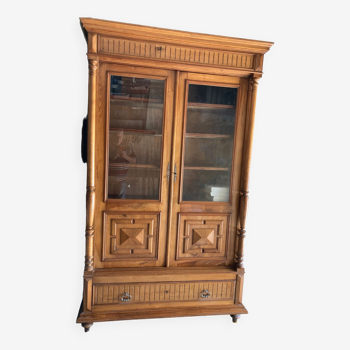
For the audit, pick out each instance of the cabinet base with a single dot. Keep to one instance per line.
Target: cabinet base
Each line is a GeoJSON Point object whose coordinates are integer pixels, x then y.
{"type": "Point", "coordinates": [90, 317]}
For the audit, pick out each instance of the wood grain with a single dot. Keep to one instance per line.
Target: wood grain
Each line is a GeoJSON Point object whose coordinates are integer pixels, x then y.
{"type": "Point", "coordinates": [109, 45]}
{"type": "Point", "coordinates": [166, 252]}
{"type": "Point", "coordinates": [138, 32]}
{"type": "Point", "coordinates": [104, 294]}
{"type": "Point", "coordinates": [90, 189]}
{"type": "Point", "coordinates": [248, 144]}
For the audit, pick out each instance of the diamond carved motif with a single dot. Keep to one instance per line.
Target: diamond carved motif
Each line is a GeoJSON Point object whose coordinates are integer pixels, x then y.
{"type": "Point", "coordinates": [130, 236]}
{"type": "Point", "coordinates": [204, 237]}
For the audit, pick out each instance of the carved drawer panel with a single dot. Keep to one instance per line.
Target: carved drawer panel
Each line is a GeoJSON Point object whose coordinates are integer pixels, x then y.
{"type": "Point", "coordinates": [130, 236]}
{"type": "Point", "coordinates": [202, 236]}
{"type": "Point", "coordinates": [175, 53]}
{"type": "Point", "coordinates": [161, 292]}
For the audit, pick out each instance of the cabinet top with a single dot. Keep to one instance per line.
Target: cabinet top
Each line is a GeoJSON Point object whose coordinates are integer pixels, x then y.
{"type": "Point", "coordinates": [175, 37]}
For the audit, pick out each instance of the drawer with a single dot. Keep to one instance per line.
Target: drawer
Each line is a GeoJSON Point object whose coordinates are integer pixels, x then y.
{"type": "Point", "coordinates": [132, 293]}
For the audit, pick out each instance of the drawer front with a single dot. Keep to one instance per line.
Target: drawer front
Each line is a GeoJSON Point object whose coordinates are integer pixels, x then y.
{"type": "Point", "coordinates": [104, 294]}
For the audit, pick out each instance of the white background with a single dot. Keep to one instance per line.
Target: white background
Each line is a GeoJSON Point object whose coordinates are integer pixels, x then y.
{"type": "Point", "coordinates": [297, 246]}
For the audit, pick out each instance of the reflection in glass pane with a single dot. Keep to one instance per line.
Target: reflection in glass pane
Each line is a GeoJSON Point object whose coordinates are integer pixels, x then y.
{"type": "Point", "coordinates": [135, 137]}
{"type": "Point", "coordinates": [210, 126]}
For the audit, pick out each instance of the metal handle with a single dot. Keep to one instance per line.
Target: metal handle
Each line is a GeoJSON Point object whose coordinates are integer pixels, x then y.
{"type": "Point", "coordinates": [175, 173]}
{"type": "Point", "coordinates": [168, 172]}
{"type": "Point", "coordinates": [205, 294]}
{"type": "Point", "coordinates": [126, 297]}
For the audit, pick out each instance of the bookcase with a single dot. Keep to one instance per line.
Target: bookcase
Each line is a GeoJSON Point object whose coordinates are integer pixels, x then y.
{"type": "Point", "coordinates": [170, 125]}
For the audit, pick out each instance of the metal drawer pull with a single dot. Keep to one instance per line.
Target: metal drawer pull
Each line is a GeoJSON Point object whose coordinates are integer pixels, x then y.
{"type": "Point", "coordinates": [126, 297]}
{"type": "Point", "coordinates": [205, 294]}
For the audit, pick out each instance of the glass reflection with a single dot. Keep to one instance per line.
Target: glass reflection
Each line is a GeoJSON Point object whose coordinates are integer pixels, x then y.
{"type": "Point", "coordinates": [135, 137]}
{"type": "Point", "coordinates": [209, 136]}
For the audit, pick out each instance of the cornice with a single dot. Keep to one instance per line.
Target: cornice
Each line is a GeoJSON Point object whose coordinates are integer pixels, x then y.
{"type": "Point", "coordinates": [175, 37]}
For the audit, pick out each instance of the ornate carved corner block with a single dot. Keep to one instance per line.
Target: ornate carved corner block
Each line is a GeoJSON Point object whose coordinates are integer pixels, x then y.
{"type": "Point", "coordinates": [254, 82]}
{"type": "Point", "coordinates": [87, 294]}
{"type": "Point", "coordinates": [93, 66]}
{"type": "Point", "coordinates": [258, 62]}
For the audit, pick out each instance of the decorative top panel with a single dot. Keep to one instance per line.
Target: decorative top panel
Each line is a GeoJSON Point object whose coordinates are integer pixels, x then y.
{"type": "Point", "coordinates": [116, 46]}
{"type": "Point", "coordinates": [173, 37]}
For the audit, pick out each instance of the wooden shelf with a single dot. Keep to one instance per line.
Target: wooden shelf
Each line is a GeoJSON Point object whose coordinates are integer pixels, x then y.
{"type": "Point", "coordinates": [135, 131]}
{"type": "Point", "coordinates": [137, 166]}
{"type": "Point", "coordinates": [207, 136]}
{"type": "Point", "coordinates": [205, 168]}
{"type": "Point", "coordinates": [135, 99]}
{"type": "Point", "coordinates": [136, 102]}
{"type": "Point", "coordinates": [208, 105]}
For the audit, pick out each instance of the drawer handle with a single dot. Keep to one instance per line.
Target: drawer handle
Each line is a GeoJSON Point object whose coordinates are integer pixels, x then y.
{"type": "Point", "coordinates": [126, 297]}
{"type": "Point", "coordinates": [205, 294]}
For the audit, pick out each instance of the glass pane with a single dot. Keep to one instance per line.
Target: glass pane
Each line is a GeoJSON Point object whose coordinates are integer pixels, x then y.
{"type": "Point", "coordinates": [135, 137]}
{"type": "Point", "coordinates": [210, 127]}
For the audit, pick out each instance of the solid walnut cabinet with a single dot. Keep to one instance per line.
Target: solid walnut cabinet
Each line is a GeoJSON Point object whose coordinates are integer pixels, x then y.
{"type": "Point", "coordinates": [170, 123]}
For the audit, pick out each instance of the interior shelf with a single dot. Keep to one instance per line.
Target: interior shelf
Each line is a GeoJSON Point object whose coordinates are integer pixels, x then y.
{"type": "Point", "coordinates": [209, 136]}
{"type": "Point", "coordinates": [205, 168]}
{"type": "Point", "coordinates": [135, 131]}
{"type": "Point", "coordinates": [137, 102]}
{"type": "Point", "coordinates": [192, 105]}
{"type": "Point", "coordinates": [141, 166]}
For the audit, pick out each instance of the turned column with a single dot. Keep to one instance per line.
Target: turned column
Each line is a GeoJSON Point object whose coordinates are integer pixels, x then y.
{"type": "Point", "coordinates": [90, 189]}
{"type": "Point", "coordinates": [247, 151]}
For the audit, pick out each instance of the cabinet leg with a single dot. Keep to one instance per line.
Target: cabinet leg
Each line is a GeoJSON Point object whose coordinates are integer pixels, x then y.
{"type": "Point", "coordinates": [235, 318]}
{"type": "Point", "coordinates": [87, 326]}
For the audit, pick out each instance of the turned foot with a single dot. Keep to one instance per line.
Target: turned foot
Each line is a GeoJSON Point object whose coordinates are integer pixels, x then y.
{"type": "Point", "coordinates": [87, 326]}
{"type": "Point", "coordinates": [235, 318]}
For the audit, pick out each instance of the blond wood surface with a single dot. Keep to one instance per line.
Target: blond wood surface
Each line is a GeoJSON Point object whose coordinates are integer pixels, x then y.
{"type": "Point", "coordinates": [208, 207]}
{"type": "Point", "coordinates": [92, 43]}
{"type": "Point", "coordinates": [163, 275]}
{"type": "Point", "coordinates": [181, 311]}
{"type": "Point", "coordinates": [247, 151]}
{"type": "Point", "coordinates": [132, 31]}
{"type": "Point", "coordinates": [90, 189]}
{"type": "Point", "coordinates": [239, 286]}
{"type": "Point", "coordinates": [164, 252]}
{"type": "Point", "coordinates": [175, 66]}
{"type": "Point", "coordinates": [126, 47]}
{"type": "Point", "coordinates": [131, 206]}
{"type": "Point", "coordinates": [104, 294]}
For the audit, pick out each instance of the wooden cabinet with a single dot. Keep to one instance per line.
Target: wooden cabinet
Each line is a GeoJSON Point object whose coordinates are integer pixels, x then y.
{"type": "Point", "coordinates": [170, 123]}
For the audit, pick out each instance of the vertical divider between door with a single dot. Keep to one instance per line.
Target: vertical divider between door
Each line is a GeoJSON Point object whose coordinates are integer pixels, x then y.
{"type": "Point", "coordinates": [171, 189]}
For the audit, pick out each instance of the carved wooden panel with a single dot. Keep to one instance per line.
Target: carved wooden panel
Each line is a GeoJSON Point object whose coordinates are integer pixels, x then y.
{"type": "Point", "coordinates": [153, 292]}
{"type": "Point", "coordinates": [175, 53]}
{"type": "Point", "coordinates": [202, 236]}
{"type": "Point", "coordinates": [130, 236]}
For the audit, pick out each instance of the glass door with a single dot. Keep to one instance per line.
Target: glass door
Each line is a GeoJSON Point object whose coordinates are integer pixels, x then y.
{"type": "Point", "coordinates": [134, 133]}
{"type": "Point", "coordinates": [136, 110]}
{"type": "Point", "coordinates": [209, 139]}
{"type": "Point", "coordinates": [209, 135]}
